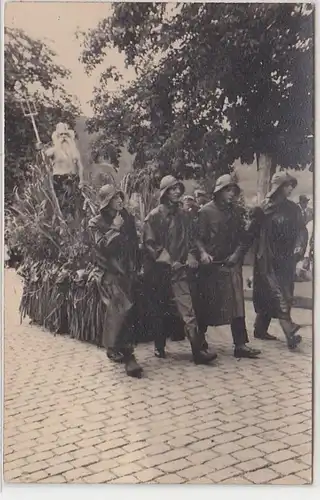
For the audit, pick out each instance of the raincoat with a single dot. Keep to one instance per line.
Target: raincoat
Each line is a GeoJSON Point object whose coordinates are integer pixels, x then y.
{"type": "Point", "coordinates": [117, 260]}
{"type": "Point", "coordinates": [168, 241]}
{"type": "Point", "coordinates": [220, 233]}
{"type": "Point", "coordinates": [278, 230]}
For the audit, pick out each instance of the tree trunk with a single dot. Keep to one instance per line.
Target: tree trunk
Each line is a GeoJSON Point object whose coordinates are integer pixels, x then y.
{"type": "Point", "coordinates": [265, 168]}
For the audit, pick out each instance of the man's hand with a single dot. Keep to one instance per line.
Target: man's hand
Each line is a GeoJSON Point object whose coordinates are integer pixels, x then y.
{"type": "Point", "coordinates": [192, 262]}
{"type": "Point", "coordinates": [298, 253]}
{"type": "Point", "coordinates": [205, 258]}
{"type": "Point", "coordinates": [231, 261]}
{"type": "Point", "coordinates": [176, 266]}
{"type": "Point", "coordinates": [117, 222]}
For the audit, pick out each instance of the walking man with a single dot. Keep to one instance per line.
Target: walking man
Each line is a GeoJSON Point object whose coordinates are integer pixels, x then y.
{"type": "Point", "coordinates": [117, 259]}
{"type": "Point", "coordinates": [221, 299]}
{"type": "Point", "coordinates": [169, 250]}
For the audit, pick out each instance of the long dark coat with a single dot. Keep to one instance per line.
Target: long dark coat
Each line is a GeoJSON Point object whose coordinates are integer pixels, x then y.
{"type": "Point", "coordinates": [168, 238]}
{"type": "Point", "coordinates": [117, 260]}
{"type": "Point", "coordinates": [278, 229]}
{"type": "Point", "coordinates": [221, 296]}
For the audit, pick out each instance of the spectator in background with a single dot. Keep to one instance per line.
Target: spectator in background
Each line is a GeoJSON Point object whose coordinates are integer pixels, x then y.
{"type": "Point", "coordinates": [201, 197]}
{"type": "Point", "coordinates": [306, 211]}
{"type": "Point", "coordinates": [190, 206]}
{"type": "Point", "coordinates": [304, 268]}
{"type": "Point", "coordinates": [307, 216]}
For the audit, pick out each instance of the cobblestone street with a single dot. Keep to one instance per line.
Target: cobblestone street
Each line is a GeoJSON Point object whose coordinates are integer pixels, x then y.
{"type": "Point", "coordinates": [72, 416]}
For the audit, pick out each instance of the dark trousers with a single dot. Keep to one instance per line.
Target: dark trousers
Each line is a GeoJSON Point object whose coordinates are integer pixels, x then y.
{"type": "Point", "coordinates": [261, 324]}
{"type": "Point", "coordinates": [170, 295]}
{"type": "Point", "coordinates": [239, 331]}
{"type": "Point", "coordinates": [263, 320]}
{"type": "Point", "coordinates": [68, 193]}
{"type": "Point", "coordinates": [119, 325]}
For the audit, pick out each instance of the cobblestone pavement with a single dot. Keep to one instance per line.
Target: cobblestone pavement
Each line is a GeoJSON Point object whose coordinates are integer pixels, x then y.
{"type": "Point", "coordinates": [72, 416]}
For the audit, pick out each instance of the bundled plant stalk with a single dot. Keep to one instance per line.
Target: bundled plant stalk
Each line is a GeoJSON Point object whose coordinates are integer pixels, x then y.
{"type": "Point", "coordinates": [60, 291]}
{"type": "Point", "coordinates": [143, 183]}
{"type": "Point", "coordinates": [53, 249]}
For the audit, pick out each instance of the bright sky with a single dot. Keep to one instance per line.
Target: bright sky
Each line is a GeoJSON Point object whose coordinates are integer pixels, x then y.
{"type": "Point", "coordinates": [57, 22]}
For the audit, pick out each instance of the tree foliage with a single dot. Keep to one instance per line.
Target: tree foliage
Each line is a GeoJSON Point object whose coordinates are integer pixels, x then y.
{"type": "Point", "coordinates": [32, 63]}
{"type": "Point", "coordinates": [214, 82]}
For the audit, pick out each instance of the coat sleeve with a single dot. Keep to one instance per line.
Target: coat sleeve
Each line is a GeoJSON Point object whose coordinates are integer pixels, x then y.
{"type": "Point", "coordinates": [249, 234]}
{"type": "Point", "coordinates": [134, 241]}
{"type": "Point", "coordinates": [151, 244]}
{"type": "Point", "coordinates": [206, 232]}
{"type": "Point", "coordinates": [104, 242]}
{"type": "Point", "coordinates": [192, 226]}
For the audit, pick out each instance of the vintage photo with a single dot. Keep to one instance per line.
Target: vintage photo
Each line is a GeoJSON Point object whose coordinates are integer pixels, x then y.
{"type": "Point", "coordinates": [159, 243]}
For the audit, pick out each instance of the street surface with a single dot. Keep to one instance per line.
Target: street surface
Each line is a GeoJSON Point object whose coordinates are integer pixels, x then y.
{"type": "Point", "coordinates": [72, 416]}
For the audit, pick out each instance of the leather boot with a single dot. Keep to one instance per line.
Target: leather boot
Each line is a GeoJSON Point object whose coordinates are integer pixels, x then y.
{"type": "Point", "coordinates": [290, 330]}
{"type": "Point", "coordinates": [246, 352]}
{"type": "Point", "coordinates": [293, 340]}
{"type": "Point", "coordinates": [133, 369]}
{"type": "Point", "coordinates": [201, 356]}
{"type": "Point", "coordinates": [114, 355]}
{"type": "Point", "coordinates": [160, 352]}
{"type": "Point", "coordinates": [261, 325]}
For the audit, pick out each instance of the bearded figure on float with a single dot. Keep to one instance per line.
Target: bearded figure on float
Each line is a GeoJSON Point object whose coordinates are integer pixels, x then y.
{"type": "Point", "coordinates": [66, 164]}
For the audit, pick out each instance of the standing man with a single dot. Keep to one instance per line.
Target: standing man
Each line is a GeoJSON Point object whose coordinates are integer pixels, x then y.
{"type": "Point", "coordinates": [169, 250]}
{"type": "Point", "coordinates": [221, 300]}
{"type": "Point", "coordinates": [117, 259]}
{"type": "Point", "coordinates": [67, 170]}
{"type": "Point", "coordinates": [65, 156]}
{"type": "Point", "coordinates": [190, 206]}
{"type": "Point", "coordinates": [305, 209]}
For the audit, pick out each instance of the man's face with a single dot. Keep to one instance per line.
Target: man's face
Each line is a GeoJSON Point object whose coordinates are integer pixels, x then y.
{"type": "Point", "coordinates": [304, 203]}
{"type": "Point", "coordinates": [228, 194]}
{"type": "Point", "coordinates": [116, 203]}
{"type": "Point", "coordinates": [64, 137]}
{"type": "Point", "coordinates": [201, 199]}
{"type": "Point", "coordinates": [287, 190]}
{"type": "Point", "coordinates": [174, 194]}
{"type": "Point", "coordinates": [187, 204]}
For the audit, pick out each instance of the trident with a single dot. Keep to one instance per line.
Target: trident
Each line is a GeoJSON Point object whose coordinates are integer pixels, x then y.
{"type": "Point", "coordinates": [28, 106]}
{"type": "Point", "coordinates": [30, 111]}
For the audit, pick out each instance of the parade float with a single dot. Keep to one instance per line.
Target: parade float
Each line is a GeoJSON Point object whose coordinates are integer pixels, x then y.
{"type": "Point", "coordinates": [48, 224]}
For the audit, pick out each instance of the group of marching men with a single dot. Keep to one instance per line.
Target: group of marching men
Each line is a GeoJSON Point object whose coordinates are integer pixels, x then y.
{"type": "Point", "coordinates": [193, 262]}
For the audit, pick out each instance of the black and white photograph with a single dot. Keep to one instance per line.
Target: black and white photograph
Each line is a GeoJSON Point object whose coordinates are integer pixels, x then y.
{"type": "Point", "coordinates": [158, 257]}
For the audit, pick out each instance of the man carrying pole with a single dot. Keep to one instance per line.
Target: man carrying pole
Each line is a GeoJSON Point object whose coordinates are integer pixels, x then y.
{"type": "Point", "coordinates": [221, 298]}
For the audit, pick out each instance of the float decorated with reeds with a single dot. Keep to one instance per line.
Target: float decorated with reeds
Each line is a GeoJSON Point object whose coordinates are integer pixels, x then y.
{"type": "Point", "coordinates": [60, 291]}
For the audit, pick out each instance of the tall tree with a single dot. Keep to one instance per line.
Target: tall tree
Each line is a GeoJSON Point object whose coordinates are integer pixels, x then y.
{"type": "Point", "coordinates": [32, 63]}
{"type": "Point", "coordinates": [214, 82]}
